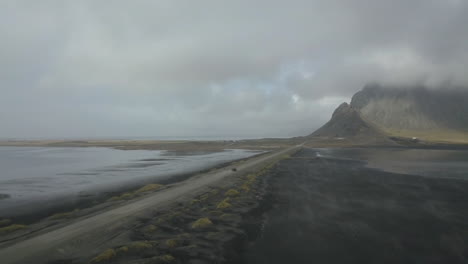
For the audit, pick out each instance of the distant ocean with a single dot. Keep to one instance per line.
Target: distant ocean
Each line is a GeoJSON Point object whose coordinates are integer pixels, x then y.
{"type": "Point", "coordinates": [194, 138]}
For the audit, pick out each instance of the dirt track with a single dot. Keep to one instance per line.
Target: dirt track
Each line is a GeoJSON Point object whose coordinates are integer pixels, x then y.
{"type": "Point", "coordinates": [89, 235]}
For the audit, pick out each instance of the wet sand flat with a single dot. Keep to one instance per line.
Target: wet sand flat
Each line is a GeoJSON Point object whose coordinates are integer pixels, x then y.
{"type": "Point", "coordinates": [326, 210]}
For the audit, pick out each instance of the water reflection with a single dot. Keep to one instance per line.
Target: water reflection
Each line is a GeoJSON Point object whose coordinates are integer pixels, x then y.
{"type": "Point", "coordinates": [32, 175]}
{"type": "Point", "coordinates": [424, 162]}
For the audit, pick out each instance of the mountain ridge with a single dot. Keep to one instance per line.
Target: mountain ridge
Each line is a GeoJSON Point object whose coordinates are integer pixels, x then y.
{"type": "Point", "coordinates": [413, 108]}
{"type": "Point", "coordinates": [378, 113]}
{"type": "Point", "coordinates": [348, 125]}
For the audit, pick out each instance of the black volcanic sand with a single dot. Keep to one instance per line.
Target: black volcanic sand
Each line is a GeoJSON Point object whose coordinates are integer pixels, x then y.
{"type": "Point", "coordinates": [337, 211]}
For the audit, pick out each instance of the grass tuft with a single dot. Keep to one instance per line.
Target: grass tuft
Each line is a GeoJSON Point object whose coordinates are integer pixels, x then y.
{"type": "Point", "coordinates": [63, 215]}
{"type": "Point", "coordinates": [122, 250]}
{"type": "Point", "coordinates": [202, 223]}
{"type": "Point", "coordinates": [224, 204]}
{"type": "Point", "coordinates": [5, 222]}
{"type": "Point", "coordinates": [131, 195]}
{"type": "Point", "coordinates": [232, 193]}
{"type": "Point", "coordinates": [151, 228]}
{"type": "Point", "coordinates": [140, 245]}
{"type": "Point", "coordinates": [245, 187]}
{"type": "Point", "coordinates": [226, 216]}
{"type": "Point", "coordinates": [172, 243]}
{"type": "Point", "coordinates": [149, 188]}
{"type": "Point", "coordinates": [11, 228]}
{"type": "Point", "coordinates": [167, 258]}
{"type": "Point", "coordinates": [106, 255]}
{"type": "Point", "coordinates": [194, 201]}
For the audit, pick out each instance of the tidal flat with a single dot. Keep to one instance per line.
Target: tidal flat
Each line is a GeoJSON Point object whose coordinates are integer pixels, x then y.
{"type": "Point", "coordinates": [365, 206]}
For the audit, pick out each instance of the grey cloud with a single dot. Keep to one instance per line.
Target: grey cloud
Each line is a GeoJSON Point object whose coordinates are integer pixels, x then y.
{"type": "Point", "coordinates": [250, 68]}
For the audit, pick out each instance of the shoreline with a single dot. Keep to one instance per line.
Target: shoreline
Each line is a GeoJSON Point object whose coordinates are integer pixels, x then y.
{"type": "Point", "coordinates": [64, 204]}
{"type": "Point", "coordinates": [169, 145]}
{"type": "Point", "coordinates": [222, 222]}
{"type": "Point", "coordinates": [247, 144]}
{"type": "Point", "coordinates": [173, 220]}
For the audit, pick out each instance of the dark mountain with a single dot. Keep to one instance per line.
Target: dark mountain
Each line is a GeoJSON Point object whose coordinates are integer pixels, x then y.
{"type": "Point", "coordinates": [377, 113]}
{"type": "Point", "coordinates": [347, 125]}
{"type": "Point", "coordinates": [413, 108]}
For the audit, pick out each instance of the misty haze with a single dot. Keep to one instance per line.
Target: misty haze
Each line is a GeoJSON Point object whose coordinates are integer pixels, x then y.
{"type": "Point", "coordinates": [315, 131]}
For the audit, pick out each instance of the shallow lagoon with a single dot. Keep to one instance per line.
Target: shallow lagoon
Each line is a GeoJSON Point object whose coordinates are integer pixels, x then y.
{"type": "Point", "coordinates": [41, 176]}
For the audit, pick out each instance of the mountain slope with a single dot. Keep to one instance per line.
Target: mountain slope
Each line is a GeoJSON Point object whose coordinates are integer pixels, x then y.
{"type": "Point", "coordinates": [413, 108]}
{"type": "Point", "coordinates": [438, 114]}
{"type": "Point", "coordinates": [347, 125]}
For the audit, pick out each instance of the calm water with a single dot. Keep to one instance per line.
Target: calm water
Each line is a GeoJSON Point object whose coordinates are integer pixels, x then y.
{"type": "Point", "coordinates": [424, 162]}
{"type": "Point", "coordinates": [38, 175]}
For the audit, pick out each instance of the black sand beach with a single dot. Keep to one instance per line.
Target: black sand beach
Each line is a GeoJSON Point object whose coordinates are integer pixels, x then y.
{"type": "Point", "coordinates": [338, 211]}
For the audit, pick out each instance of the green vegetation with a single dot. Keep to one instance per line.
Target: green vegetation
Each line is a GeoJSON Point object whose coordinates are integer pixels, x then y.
{"type": "Point", "coordinates": [194, 201]}
{"type": "Point", "coordinates": [122, 250]}
{"type": "Point", "coordinates": [106, 255]}
{"type": "Point", "coordinates": [125, 196]}
{"type": "Point", "coordinates": [149, 188]}
{"type": "Point", "coordinates": [224, 204]}
{"type": "Point", "coordinates": [131, 195]}
{"type": "Point", "coordinates": [5, 222]}
{"type": "Point", "coordinates": [204, 197]}
{"type": "Point", "coordinates": [160, 220]}
{"type": "Point", "coordinates": [226, 216]}
{"type": "Point", "coordinates": [166, 258]}
{"type": "Point", "coordinates": [214, 192]}
{"type": "Point", "coordinates": [174, 240]}
{"type": "Point", "coordinates": [433, 135]}
{"type": "Point", "coordinates": [232, 193]}
{"type": "Point", "coordinates": [202, 223]}
{"type": "Point", "coordinates": [184, 236]}
{"type": "Point", "coordinates": [63, 215]}
{"type": "Point", "coordinates": [151, 228]}
{"type": "Point", "coordinates": [172, 243]}
{"type": "Point", "coordinates": [11, 228]}
{"type": "Point", "coordinates": [140, 245]}
{"type": "Point", "coordinates": [215, 212]}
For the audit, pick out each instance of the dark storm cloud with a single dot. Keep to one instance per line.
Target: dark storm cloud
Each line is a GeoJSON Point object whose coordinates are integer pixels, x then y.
{"type": "Point", "coordinates": [248, 68]}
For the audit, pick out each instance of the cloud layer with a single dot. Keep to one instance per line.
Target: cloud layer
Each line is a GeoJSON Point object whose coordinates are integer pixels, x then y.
{"type": "Point", "coordinates": [214, 68]}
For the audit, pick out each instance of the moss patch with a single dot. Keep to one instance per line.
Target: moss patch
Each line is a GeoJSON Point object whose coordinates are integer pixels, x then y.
{"type": "Point", "coordinates": [166, 258]}
{"type": "Point", "coordinates": [232, 193]}
{"type": "Point", "coordinates": [224, 204]}
{"type": "Point", "coordinates": [172, 243]}
{"type": "Point", "coordinates": [11, 228]}
{"type": "Point", "coordinates": [151, 229]}
{"type": "Point", "coordinates": [202, 223]}
{"type": "Point", "coordinates": [5, 222]}
{"type": "Point", "coordinates": [131, 195]}
{"type": "Point", "coordinates": [63, 215]}
{"type": "Point", "coordinates": [149, 188]}
{"type": "Point", "coordinates": [106, 255]}
{"type": "Point", "coordinates": [122, 250]}
{"type": "Point", "coordinates": [194, 201]}
{"type": "Point", "coordinates": [140, 245]}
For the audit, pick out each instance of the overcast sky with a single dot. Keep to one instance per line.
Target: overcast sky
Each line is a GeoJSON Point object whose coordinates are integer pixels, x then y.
{"type": "Point", "coordinates": [213, 68]}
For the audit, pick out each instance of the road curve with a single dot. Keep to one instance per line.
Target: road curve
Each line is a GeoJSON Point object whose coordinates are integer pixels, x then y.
{"type": "Point", "coordinates": [90, 233]}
